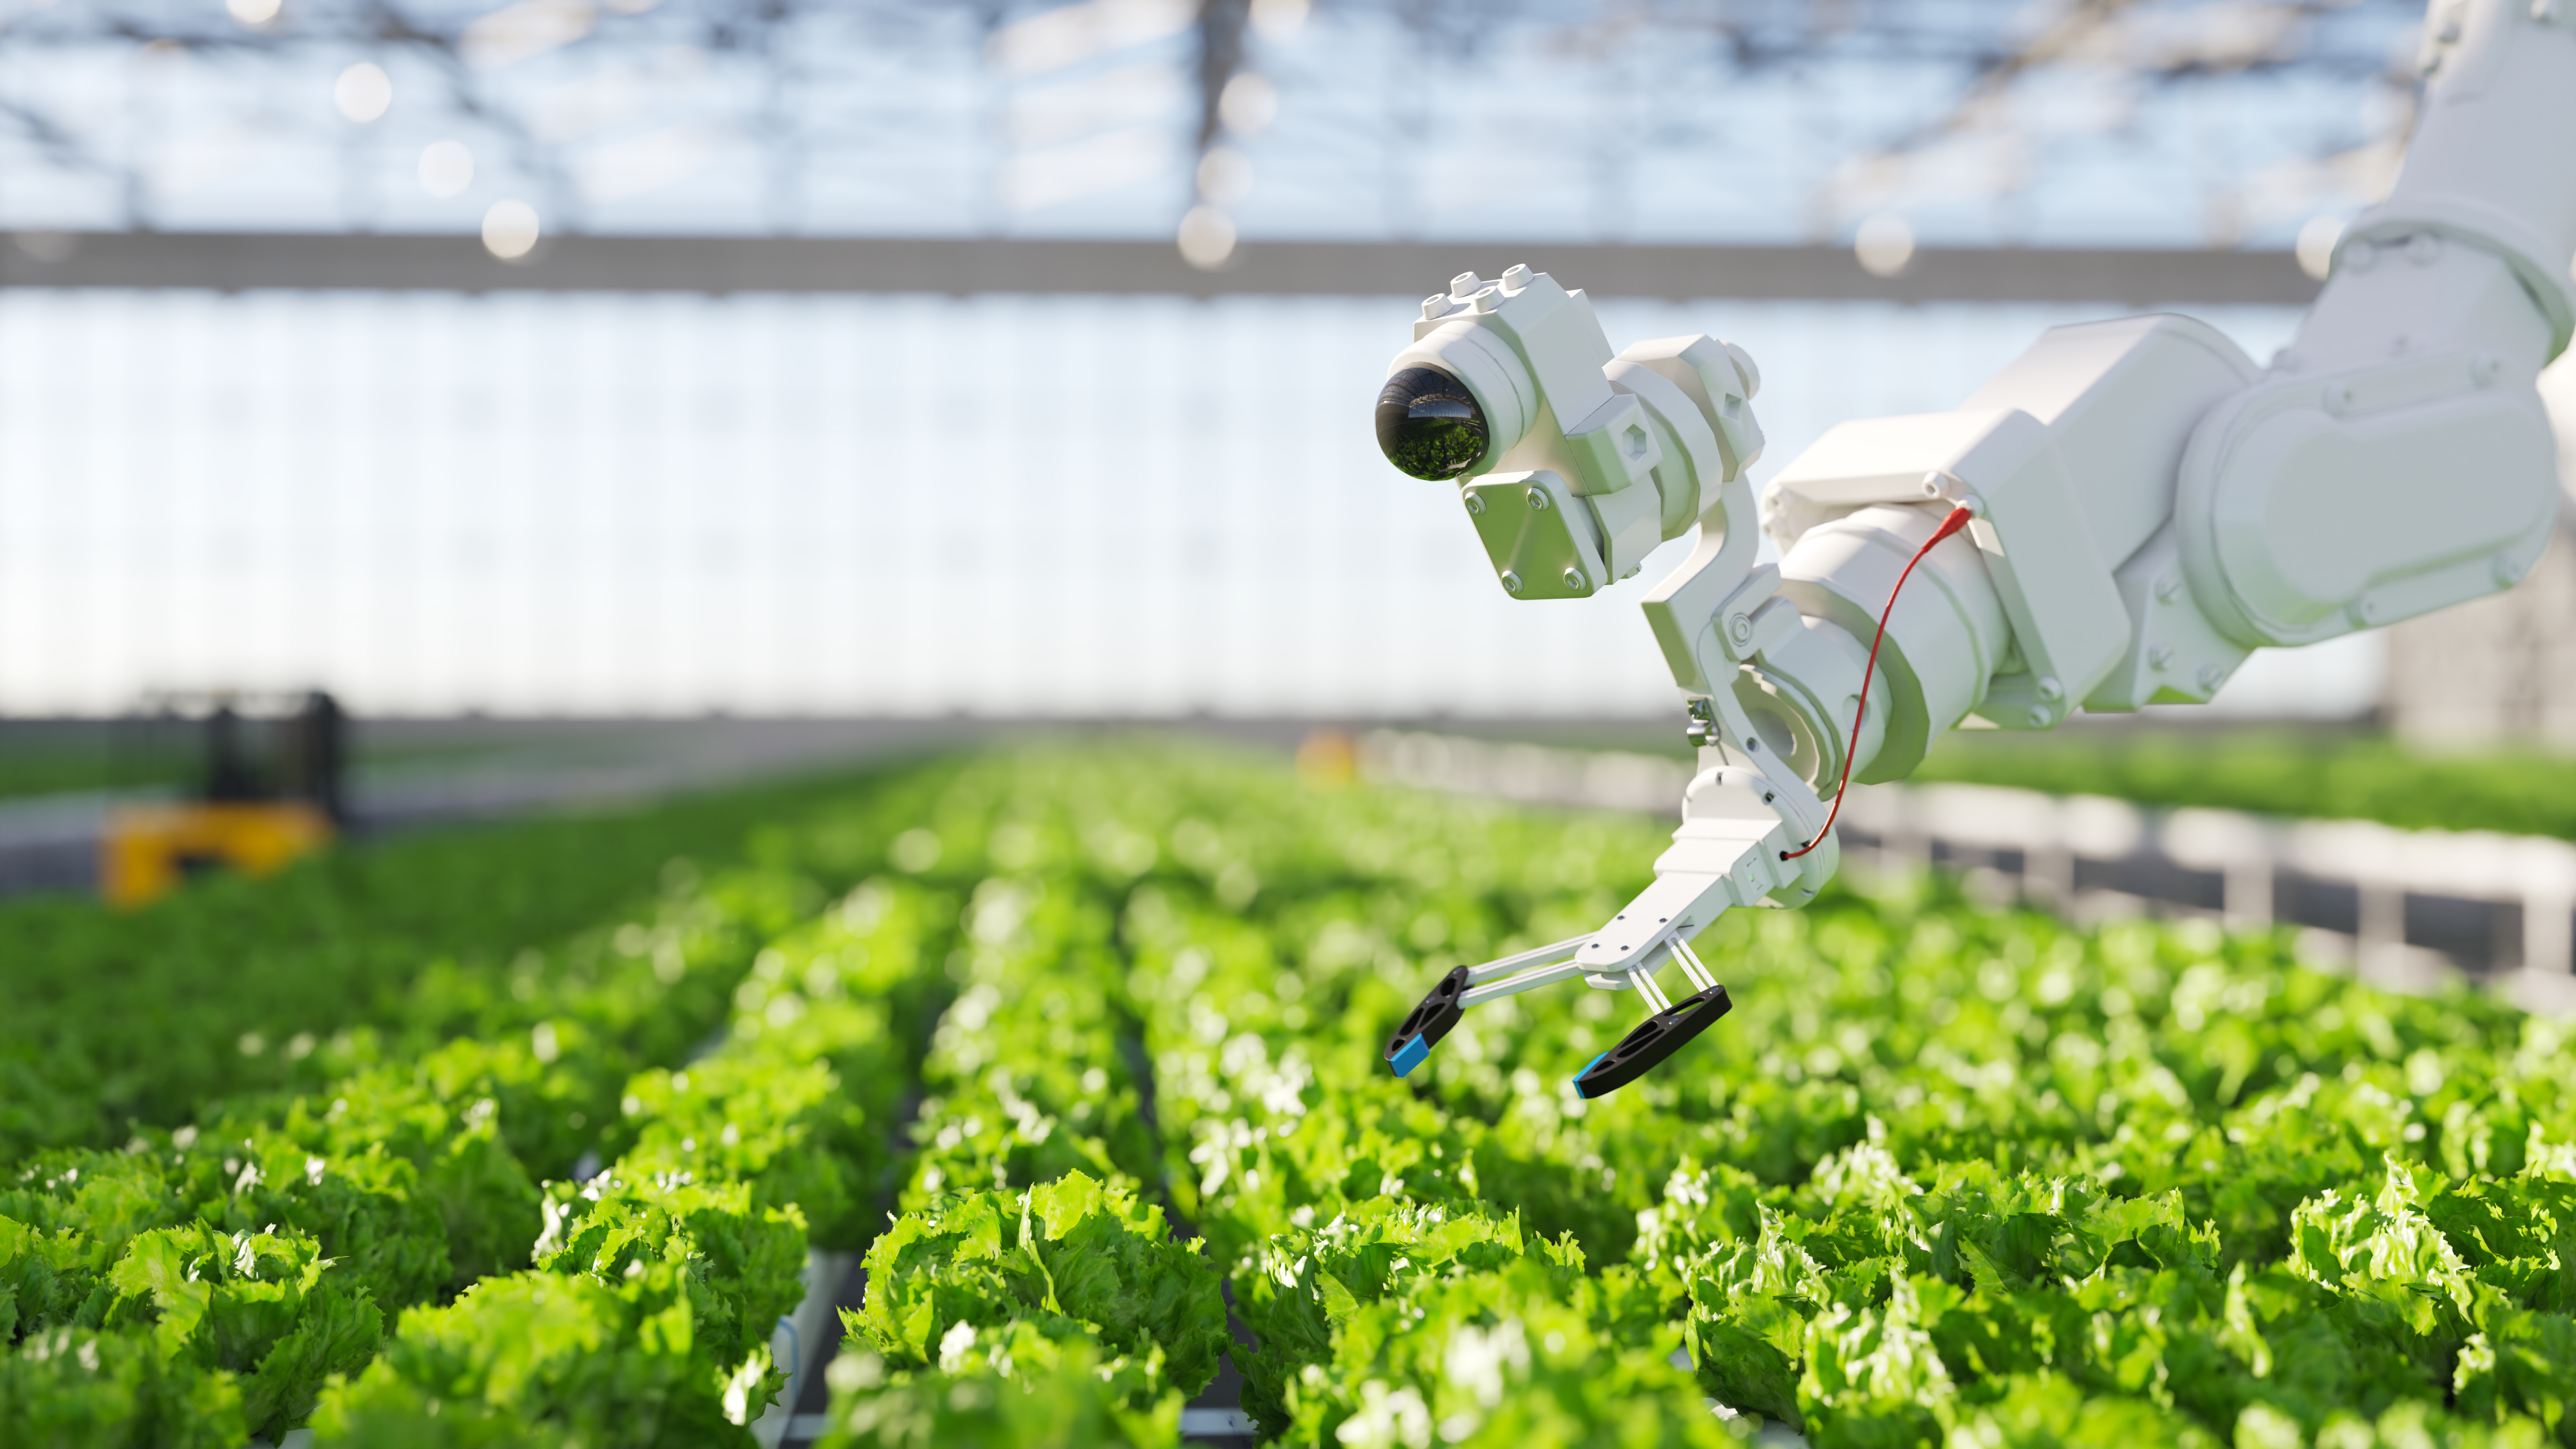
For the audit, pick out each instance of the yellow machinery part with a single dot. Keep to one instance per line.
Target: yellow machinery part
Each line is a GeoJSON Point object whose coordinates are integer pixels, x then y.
{"type": "Point", "coordinates": [150, 849]}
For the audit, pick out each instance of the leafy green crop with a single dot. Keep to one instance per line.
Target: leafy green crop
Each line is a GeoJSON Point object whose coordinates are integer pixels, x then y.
{"type": "Point", "coordinates": [411, 1177]}
{"type": "Point", "coordinates": [1943, 1172]}
{"type": "Point", "coordinates": [377, 949]}
{"type": "Point", "coordinates": [1069, 1259]}
{"type": "Point", "coordinates": [2320, 773]}
{"type": "Point", "coordinates": [1945, 1176]}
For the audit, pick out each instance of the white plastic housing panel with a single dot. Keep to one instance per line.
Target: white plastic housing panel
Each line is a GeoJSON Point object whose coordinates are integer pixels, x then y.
{"type": "Point", "coordinates": [2490, 161]}
{"type": "Point", "coordinates": [2053, 580]}
{"type": "Point", "coordinates": [1692, 464]}
{"type": "Point", "coordinates": [2176, 656]}
{"type": "Point", "coordinates": [1946, 637]}
{"type": "Point", "coordinates": [2316, 506]}
{"type": "Point", "coordinates": [1631, 523]}
{"type": "Point", "coordinates": [2121, 396]}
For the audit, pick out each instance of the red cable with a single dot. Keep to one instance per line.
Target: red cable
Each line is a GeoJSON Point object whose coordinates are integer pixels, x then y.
{"type": "Point", "coordinates": [1957, 520]}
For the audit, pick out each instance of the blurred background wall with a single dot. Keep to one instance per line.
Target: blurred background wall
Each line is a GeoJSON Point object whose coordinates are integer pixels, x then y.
{"type": "Point", "coordinates": [1016, 359]}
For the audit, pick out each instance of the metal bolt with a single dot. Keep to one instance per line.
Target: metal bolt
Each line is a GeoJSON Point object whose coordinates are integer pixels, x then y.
{"type": "Point", "coordinates": [2210, 677]}
{"type": "Point", "coordinates": [1516, 276]}
{"type": "Point", "coordinates": [2159, 655]}
{"type": "Point", "coordinates": [1487, 300]}
{"type": "Point", "coordinates": [1475, 503]}
{"type": "Point", "coordinates": [1464, 285]}
{"type": "Point", "coordinates": [2041, 717]}
{"type": "Point", "coordinates": [1574, 580]}
{"type": "Point", "coordinates": [1740, 628]}
{"type": "Point", "coordinates": [1538, 500]}
{"type": "Point", "coordinates": [2050, 689]}
{"type": "Point", "coordinates": [1511, 582]}
{"type": "Point", "coordinates": [2166, 587]}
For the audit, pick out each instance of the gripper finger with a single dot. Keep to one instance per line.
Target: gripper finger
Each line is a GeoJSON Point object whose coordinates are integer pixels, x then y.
{"type": "Point", "coordinates": [1428, 1023]}
{"type": "Point", "coordinates": [1654, 1039]}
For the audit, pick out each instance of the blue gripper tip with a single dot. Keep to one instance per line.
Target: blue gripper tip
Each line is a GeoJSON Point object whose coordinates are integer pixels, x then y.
{"type": "Point", "coordinates": [1410, 1055]}
{"type": "Point", "coordinates": [1587, 1069]}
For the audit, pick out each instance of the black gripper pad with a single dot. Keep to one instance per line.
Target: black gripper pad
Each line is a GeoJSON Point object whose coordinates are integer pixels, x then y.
{"type": "Point", "coordinates": [1654, 1039]}
{"type": "Point", "coordinates": [1428, 1023]}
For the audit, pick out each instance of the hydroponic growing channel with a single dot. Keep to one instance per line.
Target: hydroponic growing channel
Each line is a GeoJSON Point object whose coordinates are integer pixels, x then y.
{"type": "Point", "coordinates": [1082, 1048]}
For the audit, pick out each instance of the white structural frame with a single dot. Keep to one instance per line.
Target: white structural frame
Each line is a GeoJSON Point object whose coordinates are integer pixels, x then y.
{"type": "Point", "coordinates": [2149, 505]}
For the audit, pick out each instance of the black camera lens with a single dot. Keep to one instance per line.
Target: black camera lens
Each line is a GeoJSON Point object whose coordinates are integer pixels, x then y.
{"type": "Point", "coordinates": [1428, 424]}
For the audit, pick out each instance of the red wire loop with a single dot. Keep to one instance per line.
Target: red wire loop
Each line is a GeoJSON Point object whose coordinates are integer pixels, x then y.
{"type": "Point", "coordinates": [1957, 520]}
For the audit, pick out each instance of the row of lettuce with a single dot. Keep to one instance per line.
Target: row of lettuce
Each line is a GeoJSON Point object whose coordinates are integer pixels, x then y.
{"type": "Point", "coordinates": [424, 1246]}
{"type": "Point", "coordinates": [1943, 1176]}
{"type": "Point", "coordinates": [383, 952]}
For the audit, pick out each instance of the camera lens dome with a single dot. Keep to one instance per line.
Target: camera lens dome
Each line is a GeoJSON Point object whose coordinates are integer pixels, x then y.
{"type": "Point", "coordinates": [1428, 424]}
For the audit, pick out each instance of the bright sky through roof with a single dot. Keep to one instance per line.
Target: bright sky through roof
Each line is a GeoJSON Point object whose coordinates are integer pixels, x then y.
{"type": "Point", "coordinates": [2181, 123]}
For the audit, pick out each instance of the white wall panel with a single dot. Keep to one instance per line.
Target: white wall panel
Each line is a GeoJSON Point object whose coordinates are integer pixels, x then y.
{"type": "Point", "coordinates": [1056, 505]}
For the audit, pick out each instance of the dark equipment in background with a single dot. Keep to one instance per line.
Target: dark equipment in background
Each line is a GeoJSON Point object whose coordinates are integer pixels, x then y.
{"type": "Point", "coordinates": [268, 791]}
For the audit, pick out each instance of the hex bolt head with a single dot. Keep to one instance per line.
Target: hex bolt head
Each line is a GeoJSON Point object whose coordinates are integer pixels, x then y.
{"type": "Point", "coordinates": [1538, 500]}
{"type": "Point", "coordinates": [1511, 582]}
{"type": "Point", "coordinates": [1475, 503]}
{"type": "Point", "coordinates": [1574, 580]}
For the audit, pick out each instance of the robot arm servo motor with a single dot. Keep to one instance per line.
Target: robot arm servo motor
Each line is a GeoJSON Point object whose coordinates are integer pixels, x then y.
{"type": "Point", "coordinates": [2146, 506]}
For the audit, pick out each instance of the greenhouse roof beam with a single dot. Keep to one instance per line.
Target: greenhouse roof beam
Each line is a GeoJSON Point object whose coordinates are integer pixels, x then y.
{"type": "Point", "coordinates": [241, 261]}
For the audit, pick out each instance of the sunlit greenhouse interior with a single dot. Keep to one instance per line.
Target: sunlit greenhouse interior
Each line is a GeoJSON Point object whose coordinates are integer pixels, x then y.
{"type": "Point", "coordinates": [1318, 723]}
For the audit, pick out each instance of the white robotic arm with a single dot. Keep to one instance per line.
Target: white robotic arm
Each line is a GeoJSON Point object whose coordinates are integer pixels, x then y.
{"type": "Point", "coordinates": [2148, 506]}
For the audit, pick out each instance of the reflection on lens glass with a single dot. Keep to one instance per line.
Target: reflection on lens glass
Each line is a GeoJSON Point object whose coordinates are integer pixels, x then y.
{"type": "Point", "coordinates": [1428, 424]}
